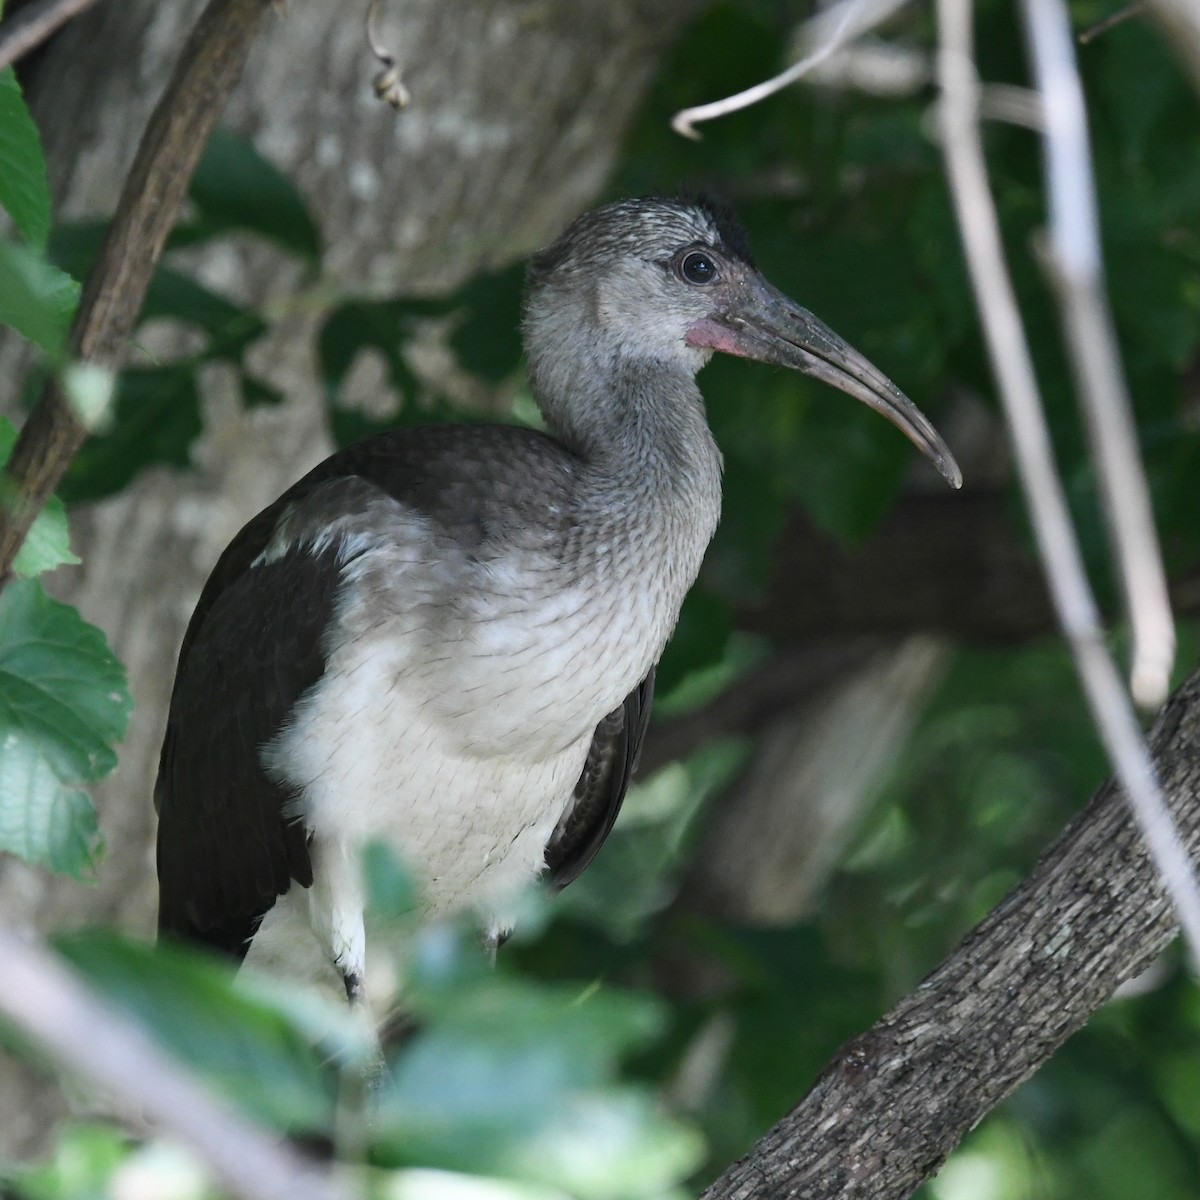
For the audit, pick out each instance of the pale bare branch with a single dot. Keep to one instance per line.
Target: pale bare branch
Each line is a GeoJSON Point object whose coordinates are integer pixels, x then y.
{"type": "Point", "coordinates": [1093, 31]}
{"type": "Point", "coordinates": [828, 32]}
{"type": "Point", "coordinates": [1013, 369]}
{"type": "Point", "coordinates": [85, 1038]}
{"type": "Point", "coordinates": [1074, 259]}
{"type": "Point", "coordinates": [27, 29]}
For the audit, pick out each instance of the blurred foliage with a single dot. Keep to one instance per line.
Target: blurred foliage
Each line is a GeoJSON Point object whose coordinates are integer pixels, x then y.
{"type": "Point", "coordinates": [558, 1073]}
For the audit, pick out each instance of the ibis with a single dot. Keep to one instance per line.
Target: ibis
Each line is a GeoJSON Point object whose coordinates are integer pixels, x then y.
{"type": "Point", "coordinates": [444, 637]}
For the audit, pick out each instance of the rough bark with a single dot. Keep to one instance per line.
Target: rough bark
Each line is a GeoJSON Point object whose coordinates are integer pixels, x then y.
{"type": "Point", "coordinates": [893, 1103]}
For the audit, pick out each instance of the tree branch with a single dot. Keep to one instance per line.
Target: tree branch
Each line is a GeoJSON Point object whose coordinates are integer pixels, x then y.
{"type": "Point", "coordinates": [830, 31]}
{"type": "Point", "coordinates": [209, 65]}
{"type": "Point", "coordinates": [1075, 264]}
{"type": "Point", "coordinates": [950, 565]}
{"type": "Point", "coordinates": [1012, 366]}
{"type": "Point", "coordinates": [84, 1037]}
{"type": "Point", "coordinates": [892, 1104]}
{"type": "Point", "coordinates": [34, 24]}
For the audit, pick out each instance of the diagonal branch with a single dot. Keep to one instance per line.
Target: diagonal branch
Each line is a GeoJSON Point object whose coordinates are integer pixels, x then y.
{"type": "Point", "coordinates": [891, 1105]}
{"type": "Point", "coordinates": [31, 26]}
{"type": "Point", "coordinates": [83, 1037]}
{"type": "Point", "coordinates": [210, 63]}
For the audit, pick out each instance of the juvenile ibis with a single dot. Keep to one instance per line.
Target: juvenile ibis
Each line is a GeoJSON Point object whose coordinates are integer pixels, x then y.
{"type": "Point", "coordinates": [445, 637]}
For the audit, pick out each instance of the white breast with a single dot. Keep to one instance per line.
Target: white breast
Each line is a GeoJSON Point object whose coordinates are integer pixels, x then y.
{"type": "Point", "coordinates": [460, 700]}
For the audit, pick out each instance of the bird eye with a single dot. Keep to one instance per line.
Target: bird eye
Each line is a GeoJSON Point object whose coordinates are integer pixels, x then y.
{"type": "Point", "coordinates": [697, 267]}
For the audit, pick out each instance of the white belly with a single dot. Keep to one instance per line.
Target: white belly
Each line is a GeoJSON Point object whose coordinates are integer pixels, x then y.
{"type": "Point", "coordinates": [454, 730]}
{"type": "Point", "coordinates": [377, 761]}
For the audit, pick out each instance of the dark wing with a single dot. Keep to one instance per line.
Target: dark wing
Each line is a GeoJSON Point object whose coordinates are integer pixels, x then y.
{"type": "Point", "coordinates": [612, 759]}
{"type": "Point", "coordinates": [227, 846]}
{"type": "Point", "coordinates": [227, 843]}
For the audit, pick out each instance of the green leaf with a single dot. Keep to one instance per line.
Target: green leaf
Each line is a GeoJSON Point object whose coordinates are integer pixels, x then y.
{"type": "Point", "coordinates": [81, 1165]}
{"type": "Point", "coordinates": [156, 419]}
{"type": "Point", "coordinates": [235, 188]}
{"type": "Point", "coordinates": [391, 891]}
{"type": "Point", "coordinates": [849, 467]}
{"type": "Point", "coordinates": [496, 1059]}
{"type": "Point", "coordinates": [47, 545]}
{"type": "Point", "coordinates": [63, 703]}
{"type": "Point", "coordinates": [1134, 89]}
{"type": "Point", "coordinates": [268, 1057]}
{"type": "Point", "coordinates": [700, 638]}
{"type": "Point", "coordinates": [425, 1183]}
{"type": "Point", "coordinates": [258, 394]}
{"type": "Point", "coordinates": [381, 326]}
{"type": "Point", "coordinates": [171, 296]}
{"type": "Point", "coordinates": [36, 298]}
{"type": "Point", "coordinates": [632, 881]}
{"type": "Point", "coordinates": [174, 296]}
{"type": "Point", "coordinates": [487, 339]}
{"type": "Point", "coordinates": [24, 192]}
{"type": "Point", "coordinates": [607, 1147]}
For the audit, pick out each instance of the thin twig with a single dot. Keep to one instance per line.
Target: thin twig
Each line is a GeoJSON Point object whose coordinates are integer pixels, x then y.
{"type": "Point", "coordinates": [1110, 22]}
{"type": "Point", "coordinates": [1011, 104]}
{"type": "Point", "coordinates": [210, 62]}
{"type": "Point", "coordinates": [84, 1037]}
{"type": "Point", "coordinates": [845, 21]}
{"type": "Point", "coordinates": [33, 25]}
{"type": "Point", "coordinates": [1077, 272]}
{"type": "Point", "coordinates": [1013, 369]}
{"type": "Point", "coordinates": [387, 83]}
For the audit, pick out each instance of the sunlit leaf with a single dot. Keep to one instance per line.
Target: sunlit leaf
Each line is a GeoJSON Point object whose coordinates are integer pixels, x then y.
{"type": "Point", "coordinates": [63, 705]}
{"type": "Point", "coordinates": [24, 193]}
{"type": "Point", "coordinates": [156, 417]}
{"type": "Point", "coordinates": [48, 543]}
{"type": "Point", "coordinates": [608, 1148]}
{"type": "Point", "coordinates": [36, 299]}
{"type": "Point", "coordinates": [495, 1060]}
{"type": "Point", "coordinates": [80, 1166]}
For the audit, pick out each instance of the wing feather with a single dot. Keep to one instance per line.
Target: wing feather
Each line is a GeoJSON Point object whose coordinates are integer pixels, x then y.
{"type": "Point", "coordinates": [228, 844]}
{"type": "Point", "coordinates": [611, 761]}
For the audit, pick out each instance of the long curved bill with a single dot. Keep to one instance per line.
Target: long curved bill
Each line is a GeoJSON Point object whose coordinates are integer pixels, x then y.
{"type": "Point", "coordinates": [765, 325]}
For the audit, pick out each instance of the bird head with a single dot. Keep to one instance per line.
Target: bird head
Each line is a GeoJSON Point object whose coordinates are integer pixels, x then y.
{"type": "Point", "coordinates": [670, 282]}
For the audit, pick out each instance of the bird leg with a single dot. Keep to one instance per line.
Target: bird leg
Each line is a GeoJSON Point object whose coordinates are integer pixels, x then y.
{"type": "Point", "coordinates": [356, 992]}
{"type": "Point", "coordinates": [493, 938]}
